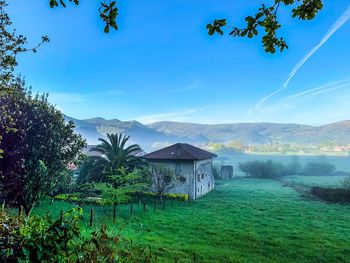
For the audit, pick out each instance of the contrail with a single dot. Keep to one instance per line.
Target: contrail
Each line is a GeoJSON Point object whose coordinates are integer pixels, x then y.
{"type": "Point", "coordinates": [334, 85]}
{"type": "Point", "coordinates": [334, 28]}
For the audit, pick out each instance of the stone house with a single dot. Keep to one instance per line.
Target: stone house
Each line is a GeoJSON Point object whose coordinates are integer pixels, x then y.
{"type": "Point", "coordinates": [194, 165]}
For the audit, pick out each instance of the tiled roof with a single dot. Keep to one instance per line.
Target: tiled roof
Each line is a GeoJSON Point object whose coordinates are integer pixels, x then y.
{"type": "Point", "coordinates": [180, 151]}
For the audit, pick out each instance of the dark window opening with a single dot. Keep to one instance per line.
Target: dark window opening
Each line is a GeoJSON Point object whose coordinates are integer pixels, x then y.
{"type": "Point", "coordinates": [167, 179]}
{"type": "Point", "coordinates": [182, 179]}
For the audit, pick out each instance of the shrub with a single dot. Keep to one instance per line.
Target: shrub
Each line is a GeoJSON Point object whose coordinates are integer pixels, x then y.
{"type": "Point", "coordinates": [181, 197]}
{"type": "Point", "coordinates": [263, 169]}
{"type": "Point", "coordinates": [318, 168]}
{"type": "Point", "coordinates": [39, 239]}
{"type": "Point", "coordinates": [346, 182]}
{"type": "Point", "coordinates": [294, 167]}
{"type": "Point", "coordinates": [332, 195]}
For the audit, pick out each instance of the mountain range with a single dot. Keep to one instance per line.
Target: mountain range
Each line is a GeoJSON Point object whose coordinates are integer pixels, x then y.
{"type": "Point", "coordinates": [158, 134]}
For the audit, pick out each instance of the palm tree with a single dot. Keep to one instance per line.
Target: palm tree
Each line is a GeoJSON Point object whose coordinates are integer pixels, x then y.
{"type": "Point", "coordinates": [114, 154]}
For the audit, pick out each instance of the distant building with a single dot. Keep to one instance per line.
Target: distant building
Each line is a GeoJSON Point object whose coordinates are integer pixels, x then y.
{"type": "Point", "coordinates": [193, 164]}
{"type": "Point", "coordinates": [226, 172]}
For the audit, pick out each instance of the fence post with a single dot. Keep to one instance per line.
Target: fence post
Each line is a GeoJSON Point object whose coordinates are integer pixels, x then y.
{"type": "Point", "coordinates": [20, 210]}
{"type": "Point", "coordinates": [61, 216]}
{"type": "Point", "coordinates": [114, 212]}
{"type": "Point", "coordinates": [194, 258]}
{"type": "Point", "coordinates": [131, 210]}
{"type": "Point", "coordinates": [144, 207]}
{"type": "Point", "coordinates": [91, 216]}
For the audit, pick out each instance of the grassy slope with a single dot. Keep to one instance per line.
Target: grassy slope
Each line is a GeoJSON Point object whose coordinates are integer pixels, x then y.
{"type": "Point", "coordinates": [244, 220]}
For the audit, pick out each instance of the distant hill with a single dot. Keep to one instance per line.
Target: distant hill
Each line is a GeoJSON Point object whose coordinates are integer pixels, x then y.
{"type": "Point", "coordinates": [156, 135]}
{"type": "Point", "coordinates": [92, 129]}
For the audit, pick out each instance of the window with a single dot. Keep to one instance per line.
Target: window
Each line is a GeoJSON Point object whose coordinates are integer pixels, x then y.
{"type": "Point", "coordinates": [182, 179]}
{"type": "Point", "coordinates": [167, 179]}
{"type": "Point", "coordinates": [199, 177]}
{"type": "Point", "coordinates": [202, 176]}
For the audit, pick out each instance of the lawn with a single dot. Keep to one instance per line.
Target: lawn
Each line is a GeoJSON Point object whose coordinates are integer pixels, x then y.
{"type": "Point", "coordinates": [243, 220]}
{"type": "Point", "coordinates": [322, 181]}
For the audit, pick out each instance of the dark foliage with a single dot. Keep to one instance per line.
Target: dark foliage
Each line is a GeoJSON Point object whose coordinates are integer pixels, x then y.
{"type": "Point", "coordinates": [318, 168]}
{"type": "Point", "coordinates": [38, 239]}
{"type": "Point", "coordinates": [263, 169]}
{"type": "Point", "coordinates": [339, 195]}
{"type": "Point", "coordinates": [108, 12]}
{"type": "Point", "coordinates": [266, 20]}
{"type": "Point", "coordinates": [11, 44]}
{"type": "Point", "coordinates": [38, 146]}
{"type": "Point", "coordinates": [114, 154]}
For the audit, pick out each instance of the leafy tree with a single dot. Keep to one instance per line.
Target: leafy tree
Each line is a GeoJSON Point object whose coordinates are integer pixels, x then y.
{"type": "Point", "coordinates": [121, 187]}
{"type": "Point", "coordinates": [38, 146]}
{"type": "Point", "coordinates": [266, 19]}
{"type": "Point", "coordinates": [263, 169]}
{"type": "Point", "coordinates": [11, 45]}
{"type": "Point", "coordinates": [319, 168]}
{"type": "Point", "coordinates": [163, 179]}
{"type": "Point", "coordinates": [66, 183]}
{"type": "Point", "coordinates": [114, 154]}
{"type": "Point", "coordinates": [346, 182]}
{"type": "Point", "coordinates": [294, 167]}
{"type": "Point", "coordinates": [108, 12]}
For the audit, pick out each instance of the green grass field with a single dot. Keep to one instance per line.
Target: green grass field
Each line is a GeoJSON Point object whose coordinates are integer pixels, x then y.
{"type": "Point", "coordinates": [322, 181]}
{"type": "Point", "coordinates": [243, 220]}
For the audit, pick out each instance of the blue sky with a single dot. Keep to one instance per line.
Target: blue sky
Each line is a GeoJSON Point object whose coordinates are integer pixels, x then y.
{"type": "Point", "coordinates": [162, 65]}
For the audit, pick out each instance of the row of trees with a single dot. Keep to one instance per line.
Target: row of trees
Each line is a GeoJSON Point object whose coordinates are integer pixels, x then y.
{"type": "Point", "coordinates": [271, 169]}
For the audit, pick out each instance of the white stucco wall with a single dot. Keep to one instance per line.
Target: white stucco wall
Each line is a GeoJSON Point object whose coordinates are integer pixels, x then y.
{"type": "Point", "coordinates": [185, 168]}
{"type": "Point", "coordinates": [204, 177]}
{"type": "Point", "coordinates": [198, 174]}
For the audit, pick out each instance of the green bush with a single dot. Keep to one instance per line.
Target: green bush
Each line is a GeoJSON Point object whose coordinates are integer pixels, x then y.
{"type": "Point", "coordinates": [39, 239]}
{"type": "Point", "coordinates": [346, 182]}
{"type": "Point", "coordinates": [318, 168]}
{"type": "Point", "coordinates": [332, 195]}
{"type": "Point", "coordinates": [263, 169]}
{"type": "Point", "coordinates": [181, 197]}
